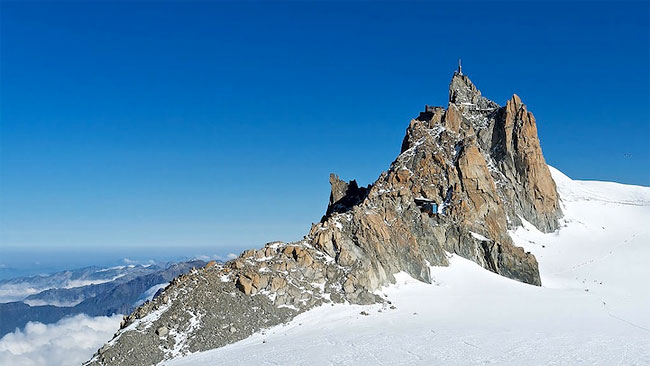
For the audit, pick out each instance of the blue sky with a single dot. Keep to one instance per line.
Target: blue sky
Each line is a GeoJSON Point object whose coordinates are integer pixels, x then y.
{"type": "Point", "coordinates": [211, 127]}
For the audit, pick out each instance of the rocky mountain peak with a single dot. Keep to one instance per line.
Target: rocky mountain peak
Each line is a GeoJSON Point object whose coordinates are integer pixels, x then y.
{"type": "Point", "coordinates": [464, 176]}
{"type": "Point", "coordinates": [463, 93]}
{"type": "Point", "coordinates": [462, 90]}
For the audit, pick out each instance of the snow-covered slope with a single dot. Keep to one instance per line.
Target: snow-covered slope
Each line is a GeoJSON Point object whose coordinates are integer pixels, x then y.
{"type": "Point", "coordinates": [593, 307]}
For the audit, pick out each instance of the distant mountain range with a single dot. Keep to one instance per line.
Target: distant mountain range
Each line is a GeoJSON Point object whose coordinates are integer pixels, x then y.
{"type": "Point", "coordinates": [93, 291]}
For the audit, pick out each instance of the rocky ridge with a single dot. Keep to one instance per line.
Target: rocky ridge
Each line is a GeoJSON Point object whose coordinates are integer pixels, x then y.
{"type": "Point", "coordinates": [465, 175]}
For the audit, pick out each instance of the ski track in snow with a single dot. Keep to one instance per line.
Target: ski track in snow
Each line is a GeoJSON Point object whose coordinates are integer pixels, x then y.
{"type": "Point", "coordinates": [593, 307]}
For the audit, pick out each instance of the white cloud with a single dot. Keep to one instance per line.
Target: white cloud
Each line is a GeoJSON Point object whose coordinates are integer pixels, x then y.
{"type": "Point", "coordinates": [207, 258]}
{"type": "Point", "coordinates": [133, 263]}
{"type": "Point", "coordinates": [70, 341]}
{"type": "Point", "coordinates": [82, 283]}
{"type": "Point", "coordinates": [55, 302]}
{"type": "Point", "coordinates": [16, 292]}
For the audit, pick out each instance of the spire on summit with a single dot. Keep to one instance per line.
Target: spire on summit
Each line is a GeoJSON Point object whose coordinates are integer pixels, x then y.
{"type": "Point", "coordinates": [460, 67]}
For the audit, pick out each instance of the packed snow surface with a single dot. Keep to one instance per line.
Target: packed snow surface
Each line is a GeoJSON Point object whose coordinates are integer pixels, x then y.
{"type": "Point", "coordinates": [593, 307]}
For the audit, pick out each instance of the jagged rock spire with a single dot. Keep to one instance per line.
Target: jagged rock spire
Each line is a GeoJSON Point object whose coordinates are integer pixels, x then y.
{"type": "Point", "coordinates": [482, 166]}
{"type": "Point", "coordinates": [463, 92]}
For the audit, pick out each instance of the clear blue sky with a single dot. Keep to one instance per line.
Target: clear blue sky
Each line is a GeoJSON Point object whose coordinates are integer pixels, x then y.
{"type": "Point", "coordinates": [166, 126]}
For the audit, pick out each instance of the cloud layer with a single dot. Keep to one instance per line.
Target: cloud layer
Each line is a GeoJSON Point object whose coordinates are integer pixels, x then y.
{"type": "Point", "coordinates": [70, 341]}
{"type": "Point", "coordinates": [217, 257]}
{"type": "Point", "coordinates": [16, 292]}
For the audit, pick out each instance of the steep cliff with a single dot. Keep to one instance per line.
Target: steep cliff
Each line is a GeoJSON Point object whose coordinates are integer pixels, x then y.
{"type": "Point", "coordinates": [465, 175]}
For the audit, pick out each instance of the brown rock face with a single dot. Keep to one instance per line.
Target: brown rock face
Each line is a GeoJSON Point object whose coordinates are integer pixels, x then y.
{"type": "Point", "coordinates": [344, 195]}
{"type": "Point", "coordinates": [481, 164]}
{"type": "Point", "coordinates": [245, 285]}
{"type": "Point", "coordinates": [518, 155]}
{"type": "Point", "coordinates": [464, 176]}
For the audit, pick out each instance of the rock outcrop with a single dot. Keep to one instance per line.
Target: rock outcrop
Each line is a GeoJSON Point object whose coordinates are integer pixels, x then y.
{"type": "Point", "coordinates": [465, 175]}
